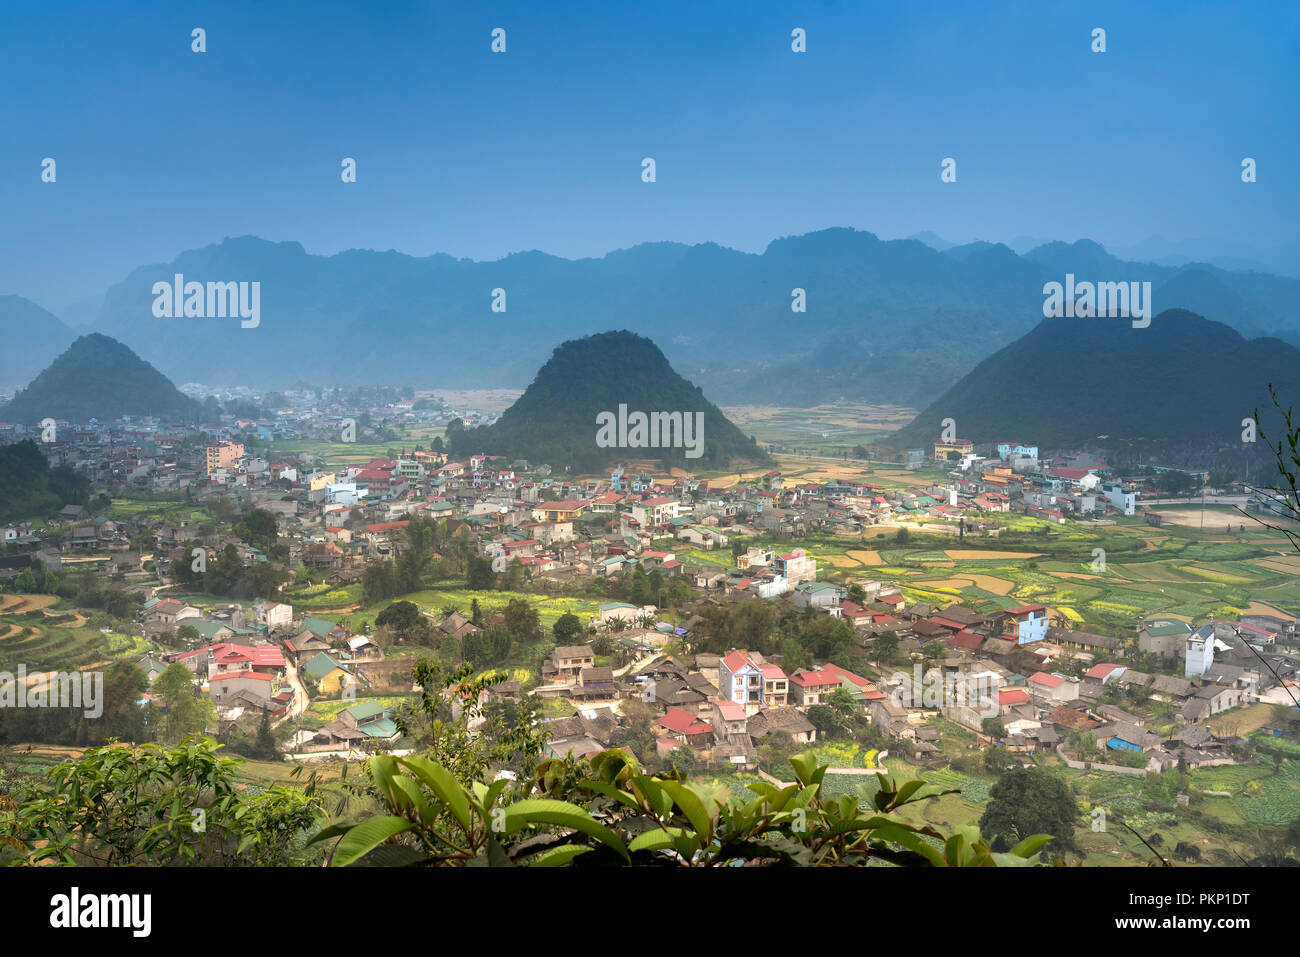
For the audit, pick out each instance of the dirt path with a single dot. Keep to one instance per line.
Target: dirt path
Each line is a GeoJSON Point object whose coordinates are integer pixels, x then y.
{"type": "Point", "coordinates": [972, 554]}
{"type": "Point", "coordinates": [300, 702]}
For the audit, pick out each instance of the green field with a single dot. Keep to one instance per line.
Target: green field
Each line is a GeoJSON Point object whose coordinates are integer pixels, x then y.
{"type": "Point", "coordinates": [1173, 571]}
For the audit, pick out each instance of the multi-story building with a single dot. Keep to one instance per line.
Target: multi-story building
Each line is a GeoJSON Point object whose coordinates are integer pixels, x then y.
{"type": "Point", "coordinates": [223, 455]}
{"type": "Point", "coordinates": [1123, 499]}
{"type": "Point", "coordinates": [776, 687]}
{"type": "Point", "coordinates": [1030, 623]}
{"type": "Point", "coordinates": [797, 567]}
{"type": "Point", "coordinates": [813, 687]}
{"type": "Point", "coordinates": [1200, 652]}
{"type": "Point", "coordinates": [960, 446]}
{"type": "Point", "coordinates": [741, 680]}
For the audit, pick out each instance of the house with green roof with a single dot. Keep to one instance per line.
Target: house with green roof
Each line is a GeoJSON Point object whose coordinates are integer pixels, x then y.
{"type": "Point", "coordinates": [210, 631]}
{"type": "Point", "coordinates": [618, 609]}
{"type": "Point", "coordinates": [1163, 637]}
{"type": "Point", "coordinates": [327, 674]}
{"type": "Point", "coordinates": [368, 710]}
{"type": "Point", "coordinates": [321, 628]}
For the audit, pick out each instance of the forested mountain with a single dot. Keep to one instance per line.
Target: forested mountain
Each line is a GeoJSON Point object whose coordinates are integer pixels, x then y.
{"type": "Point", "coordinates": [555, 421]}
{"type": "Point", "coordinates": [1183, 380]}
{"type": "Point", "coordinates": [98, 377]}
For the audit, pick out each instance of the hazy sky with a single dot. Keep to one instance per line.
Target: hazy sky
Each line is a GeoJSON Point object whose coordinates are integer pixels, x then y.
{"type": "Point", "coordinates": [476, 154]}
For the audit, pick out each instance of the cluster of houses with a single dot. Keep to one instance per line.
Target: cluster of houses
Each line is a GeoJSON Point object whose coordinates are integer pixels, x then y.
{"type": "Point", "coordinates": [722, 707]}
{"type": "Point", "coordinates": [243, 663]}
{"type": "Point", "coordinates": [1044, 684]}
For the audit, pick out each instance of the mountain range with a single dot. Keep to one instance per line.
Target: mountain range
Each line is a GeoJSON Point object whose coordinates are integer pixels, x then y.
{"type": "Point", "coordinates": [894, 321]}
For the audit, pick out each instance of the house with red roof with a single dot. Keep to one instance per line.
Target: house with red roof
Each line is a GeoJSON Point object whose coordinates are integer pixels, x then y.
{"type": "Point", "coordinates": [741, 680]}
{"type": "Point", "coordinates": [260, 687]}
{"type": "Point", "coordinates": [813, 687]}
{"type": "Point", "coordinates": [229, 657]}
{"type": "Point", "coordinates": [1011, 697]}
{"type": "Point", "coordinates": [1052, 688]}
{"type": "Point", "coordinates": [1105, 673]}
{"type": "Point", "coordinates": [729, 718]}
{"type": "Point", "coordinates": [776, 686]}
{"type": "Point", "coordinates": [686, 728]}
{"type": "Point", "coordinates": [854, 613]}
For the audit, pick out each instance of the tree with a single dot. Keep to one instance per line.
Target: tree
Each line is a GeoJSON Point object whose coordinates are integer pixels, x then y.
{"type": "Point", "coordinates": [448, 703]}
{"type": "Point", "coordinates": [841, 700]}
{"type": "Point", "coordinates": [522, 620]}
{"type": "Point", "coordinates": [886, 647]}
{"type": "Point", "coordinates": [119, 805]}
{"type": "Point", "coordinates": [640, 728]}
{"type": "Point", "coordinates": [1027, 801]}
{"type": "Point", "coordinates": [566, 628]}
{"type": "Point", "coordinates": [265, 747]}
{"type": "Point", "coordinates": [187, 634]}
{"type": "Point", "coordinates": [186, 712]}
{"type": "Point", "coordinates": [993, 727]}
{"type": "Point", "coordinates": [379, 583]}
{"type": "Point", "coordinates": [479, 574]}
{"type": "Point", "coordinates": [682, 758]}
{"type": "Point", "coordinates": [824, 719]}
{"type": "Point", "coordinates": [259, 528]}
{"type": "Point", "coordinates": [405, 621]}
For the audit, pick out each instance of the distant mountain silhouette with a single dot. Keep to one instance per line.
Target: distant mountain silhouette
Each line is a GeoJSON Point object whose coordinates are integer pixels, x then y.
{"type": "Point", "coordinates": [98, 377]}
{"type": "Point", "coordinates": [558, 419]}
{"type": "Point", "coordinates": [887, 321]}
{"type": "Point", "coordinates": [31, 337]}
{"type": "Point", "coordinates": [1184, 379]}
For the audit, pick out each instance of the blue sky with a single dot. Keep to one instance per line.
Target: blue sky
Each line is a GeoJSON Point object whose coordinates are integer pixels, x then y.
{"type": "Point", "coordinates": [478, 155]}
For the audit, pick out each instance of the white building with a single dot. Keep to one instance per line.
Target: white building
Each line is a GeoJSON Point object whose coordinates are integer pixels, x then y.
{"type": "Point", "coordinates": [1200, 652]}
{"type": "Point", "coordinates": [272, 614]}
{"type": "Point", "coordinates": [1121, 498]}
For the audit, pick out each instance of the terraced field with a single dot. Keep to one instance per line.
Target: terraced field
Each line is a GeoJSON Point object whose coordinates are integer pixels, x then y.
{"type": "Point", "coordinates": [36, 635]}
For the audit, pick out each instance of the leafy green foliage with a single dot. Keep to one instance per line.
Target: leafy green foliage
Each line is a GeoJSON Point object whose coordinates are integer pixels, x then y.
{"type": "Point", "coordinates": [566, 628]}
{"type": "Point", "coordinates": [1027, 801]}
{"type": "Point", "coordinates": [607, 812]}
{"type": "Point", "coordinates": [405, 621]}
{"type": "Point", "coordinates": [31, 488]}
{"type": "Point", "coordinates": [120, 805]}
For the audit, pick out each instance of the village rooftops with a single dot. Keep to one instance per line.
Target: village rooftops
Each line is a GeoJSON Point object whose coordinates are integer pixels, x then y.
{"type": "Point", "coordinates": [730, 710]}
{"type": "Point", "coordinates": [256, 656]}
{"type": "Point", "coordinates": [1043, 679]}
{"type": "Point", "coordinates": [684, 723]}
